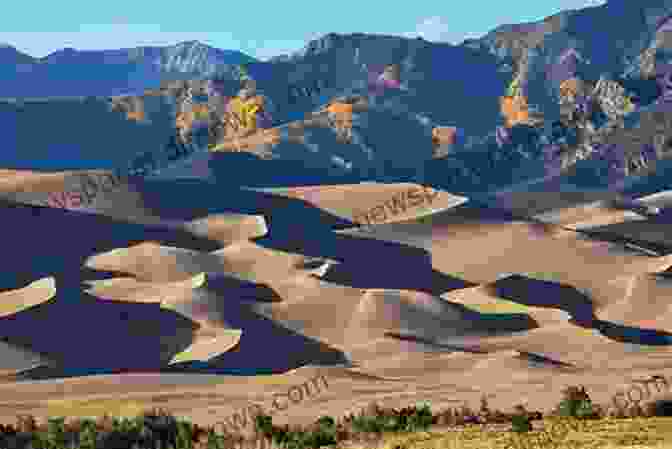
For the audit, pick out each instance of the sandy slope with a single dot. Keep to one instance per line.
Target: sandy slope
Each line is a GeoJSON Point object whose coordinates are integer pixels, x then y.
{"type": "Point", "coordinates": [467, 301]}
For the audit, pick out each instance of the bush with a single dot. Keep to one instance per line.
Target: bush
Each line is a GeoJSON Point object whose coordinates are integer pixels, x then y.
{"type": "Point", "coordinates": [521, 422]}
{"type": "Point", "coordinates": [264, 424]}
{"type": "Point", "coordinates": [157, 428]}
{"type": "Point", "coordinates": [368, 424]}
{"type": "Point", "coordinates": [576, 404]}
{"type": "Point", "coordinates": [421, 419]}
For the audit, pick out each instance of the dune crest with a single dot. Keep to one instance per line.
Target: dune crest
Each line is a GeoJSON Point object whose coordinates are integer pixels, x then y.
{"type": "Point", "coordinates": [230, 228]}
{"type": "Point", "coordinates": [37, 292]}
{"type": "Point", "coordinates": [208, 345]}
{"type": "Point", "coordinates": [129, 289]}
{"type": "Point", "coordinates": [152, 262]}
{"type": "Point", "coordinates": [482, 300]}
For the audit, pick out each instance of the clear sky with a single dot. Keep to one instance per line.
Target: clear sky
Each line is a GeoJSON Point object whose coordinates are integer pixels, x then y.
{"type": "Point", "coordinates": [261, 29]}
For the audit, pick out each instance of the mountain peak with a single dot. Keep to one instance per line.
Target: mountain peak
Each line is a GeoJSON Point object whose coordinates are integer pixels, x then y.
{"type": "Point", "coordinates": [10, 55]}
{"type": "Point", "coordinates": [193, 43]}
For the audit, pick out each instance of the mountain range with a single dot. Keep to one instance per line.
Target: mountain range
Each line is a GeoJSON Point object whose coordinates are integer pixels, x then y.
{"type": "Point", "coordinates": [70, 72]}
{"type": "Point", "coordinates": [445, 86]}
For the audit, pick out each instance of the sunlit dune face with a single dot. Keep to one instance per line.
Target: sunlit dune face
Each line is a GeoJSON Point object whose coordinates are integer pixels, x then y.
{"type": "Point", "coordinates": [487, 250]}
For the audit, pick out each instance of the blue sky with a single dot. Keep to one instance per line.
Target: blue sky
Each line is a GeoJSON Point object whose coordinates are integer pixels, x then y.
{"type": "Point", "coordinates": [261, 29]}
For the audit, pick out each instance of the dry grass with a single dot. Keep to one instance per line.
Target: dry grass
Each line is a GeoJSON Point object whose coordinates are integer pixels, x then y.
{"type": "Point", "coordinates": [94, 407]}
{"type": "Point", "coordinates": [607, 434]}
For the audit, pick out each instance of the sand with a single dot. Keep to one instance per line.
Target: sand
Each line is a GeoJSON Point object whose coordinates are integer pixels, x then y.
{"type": "Point", "coordinates": [179, 306]}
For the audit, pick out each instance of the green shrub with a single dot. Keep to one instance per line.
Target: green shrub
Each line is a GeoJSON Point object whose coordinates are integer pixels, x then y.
{"type": "Point", "coordinates": [421, 419]}
{"type": "Point", "coordinates": [367, 424]}
{"type": "Point", "coordinates": [156, 429]}
{"type": "Point", "coordinates": [326, 421]}
{"type": "Point", "coordinates": [264, 424]}
{"type": "Point", "coordinates": [521, 422]}
{"type": "Point", "coordinates": [576, 403]}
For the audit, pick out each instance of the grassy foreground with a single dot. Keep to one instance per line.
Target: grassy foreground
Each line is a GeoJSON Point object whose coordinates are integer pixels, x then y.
{"type": "Point", "coordinates": [574, 423]}
{"type": "Point", "coordinates": [640, 433]}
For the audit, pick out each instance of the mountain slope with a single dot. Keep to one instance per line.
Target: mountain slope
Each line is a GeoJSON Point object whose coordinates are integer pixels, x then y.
{"type": "Point", "coordinates": [70, 72]}
{"type": "Point", "coordinates": [11, 56]}
{"type": "Point", "coordinates": [441, 85]}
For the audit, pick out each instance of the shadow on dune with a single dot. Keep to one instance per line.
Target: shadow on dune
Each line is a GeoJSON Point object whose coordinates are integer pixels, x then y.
{"type": "Point", "coordinates": [367, 263]}
{"type": "Point", "coordinates": [265, 346]}
{"type": "Point", "coordinates": [90, 274]}
{"type": "Point", "coordinates": [243, 289]}
{"type": "Point", "coordinates": [116, 336]}
{"type": "Point", "coordinates": [534, 360]}
{"type": "Point", "coordinates": [631, 232]}
{"type": "Point", "coordinates": [633, 335]}
{"type": "Point", "coordinates": [85, 335]}
{"type": "Point", "coordinates": [439, 347]}
{"type": "Point", "coordinates": [378, 263]}
{"type": "Point", "coordinates": [381, 275]}
{"type": "Point", "coordinates": [477, 211]}
{"type": "Point", "coordinates": [191, 199]}
{"type": "Point", "coordinates": [77, 349]}
{"type": "Point", "coordinates": [546, 294]}
{"type": "Point", "coordinates": [538, 293]}
{"type": "Point", "coordinates": [44, 242]}
{"type": "Point", "coordinates": [298, 226]}
{"type": "Point", "coordinates": [496, 323]}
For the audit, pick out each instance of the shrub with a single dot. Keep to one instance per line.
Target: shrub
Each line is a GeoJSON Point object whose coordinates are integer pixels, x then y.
{"type": "Point", "coordinates": [521, 421]}
{"type": "Point", "coordinates": [367, 424]}
{"type": "Point", "coordinates": [264, 424]}
{"type": "Point", "coordinates": [325, 434]}
{"type": "Point", "coordinates": [576, 403]}
{"type": "Point", "coordinates": [421, 419]}
{"type": "Point", "coordinates": [157, 428]}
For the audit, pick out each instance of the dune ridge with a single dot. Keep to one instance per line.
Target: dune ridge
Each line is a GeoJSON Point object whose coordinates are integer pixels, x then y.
{"type": "Point", "coordinates": [248, 297]}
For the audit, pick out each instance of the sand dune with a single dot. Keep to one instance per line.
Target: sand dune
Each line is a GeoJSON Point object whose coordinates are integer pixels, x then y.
{"type": "Point", "coordinates": [645, 303]}
{"type": "Point", "coordinates": [524, 364]}
{"type": "Point", "coordinates": [588, 216]}
{"type": "Point", "coordinates": [131, 290]}
{"type": "Point", "coordinates": [390, 202]}
{"type": "Point", "coordinates": [551, 202]}
{"type": "Point", "coordinates": [16, 358]}
{"type": "Point", "coordinates": [481, 300]}
{"type": "Point", "coordinates": [32, 182]}
{"type": "Point", "coordinates": [241, 301]}
{"type": "Point", "coordinates": [229, 228]}
{"type": "Point", "coordinates": [208, 345]}
{"type": "Point", "coordinates": [155, 263]}
{"type": "Point", "coordinates": [35, 293]}
{"type": "Point", "coordinates": [121, 199]}
{"type": "Point", "coordinates": [422, 315]}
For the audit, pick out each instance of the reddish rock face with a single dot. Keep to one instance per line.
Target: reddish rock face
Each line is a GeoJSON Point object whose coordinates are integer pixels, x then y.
{"type": "Point", "coordinates": [514, 110]}
{"type": "Point", "coordinates": [444, 134]}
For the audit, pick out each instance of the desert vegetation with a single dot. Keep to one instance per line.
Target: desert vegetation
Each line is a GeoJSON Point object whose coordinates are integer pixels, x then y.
{"type": "Point", "coordinates": [575, 422]}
